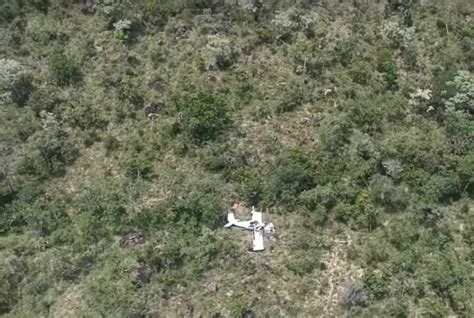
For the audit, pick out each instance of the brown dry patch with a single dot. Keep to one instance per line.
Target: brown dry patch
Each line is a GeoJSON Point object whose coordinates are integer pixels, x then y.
{"type": "Point", "coordinates": [68, 303]}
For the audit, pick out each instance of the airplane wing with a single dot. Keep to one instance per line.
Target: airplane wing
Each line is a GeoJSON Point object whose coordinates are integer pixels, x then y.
{"type": "Point", "coordinates": [230, 220]}
{"type": "Point", "coordinates": [257, 216]}
{"type": "Point", "coordinates": [258, 240]}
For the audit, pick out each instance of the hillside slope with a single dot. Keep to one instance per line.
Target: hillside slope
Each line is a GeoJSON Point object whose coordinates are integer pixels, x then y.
{"type": "Point", "coordinates": [130, 128]}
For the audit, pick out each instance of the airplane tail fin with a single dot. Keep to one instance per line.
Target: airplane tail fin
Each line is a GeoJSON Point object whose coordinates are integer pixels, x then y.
{"type": "Point", "coordinates": [230, 219]}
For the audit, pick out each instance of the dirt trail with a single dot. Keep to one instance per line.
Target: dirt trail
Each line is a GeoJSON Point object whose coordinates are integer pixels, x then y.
{"type": "Point", "coordinates": [340, 270]}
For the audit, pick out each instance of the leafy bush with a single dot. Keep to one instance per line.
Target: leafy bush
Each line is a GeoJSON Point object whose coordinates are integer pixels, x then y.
{"type": "Point", "coordinates": [45, 99]}
{"type": "Point", "coordinates": [64, 70]}
{"type": "Point", "coordinates": [465, 168]}
{"type": "Point", "coordinates": [293, 175]}
{"type": "Point", "coordinates": [12, 271]}
{"type": "Point", "coordinates": [387, 195]}
{"type": "Point", "coordinates": [463, 85]}
{"type": "Point", "coordinates": [292, 96]}
{"type": "Point", "coordinates": [221, 51]}
{"type": "Point", "coordinates": [245, 86]}
{"type": "Point", "coordinates": [343, 212]}
{"type": "Point", "coordinates": [103, 203]}
{"type": "Point", "coordinates": [51, 150]}
{"type": "Point", "coordinates": [360, 74]}
{"type": "Point", "coordinates": [250, 187]}
{"type": "Point", "coordinates": [387, 66]}
{"type": "Point", "coordinates": [122, 30]}
{"type": "Point", "coordinates": [238, 307]}
{"type": "Point", "coordinates": [203, 115]}
{"type": "Point", "coordinates": [417, 148]}
{"type": "Point", "coordinates": [320, 195]}
{"type": "Point", "coordinates": [114, 9]}
{"type": "Point", "coordinates": [375, 284]}
{"type": "Point", "coordinates": [139, 165]}
{"type": "Point", "coordinates": [400, 34]}
{"type": "Point", "coordinates": [366, 210]}
{"type": "Point", "coordinates": [335, 132]}
{"type": "Point", "coordinates": [371, 113]}
{"type": "Point", "coordinates": [45, 216]}
{"type": "Point", "coordinates": [15, 83]}
{"type": "Point", "coordinates": [304, 263]}
{"type": "Point", "coordinates": [199, 209]}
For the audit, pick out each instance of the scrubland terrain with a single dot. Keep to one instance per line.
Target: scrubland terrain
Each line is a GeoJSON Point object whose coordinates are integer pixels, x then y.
{"type": "Point", "coordinates": [128, 129]}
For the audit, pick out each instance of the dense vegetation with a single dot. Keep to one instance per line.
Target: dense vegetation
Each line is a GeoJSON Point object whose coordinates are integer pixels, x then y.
{"type": "Point", "coordinates": [350, 123]}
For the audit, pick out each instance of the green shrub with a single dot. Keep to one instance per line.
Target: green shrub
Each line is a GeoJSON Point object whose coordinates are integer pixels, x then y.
{"type": "Point", "coordinates": [441, 90]}
{"type": "Point", "coordinates": [122, 31]}
{"type": "Point", "coordinates": [465, 170]}
{"type": "Point", "coordinates": [12, 271]}
{"type": "Point", "coordinates": [41, 5]}
{"type": "Point", "coordinates": [434, 307]}
{"type": "Point", "coordinates": [220, 51]}
{"type": "Point", "coordinates": [303, 263]}
{"type": "Point", "coordinates": [9, 10]}
{"type": "Point", "coordinates": [139, 165]}
{"type": "Point", "coordinates": [366, 210]}
{"type": "Point", "coordinates": [344, 52]}
{"type": "Point", "coordinates": [51, 150]}
{"type": "Point", "coordinates": [250, 185]}
{"type": "Point", "coordinates": [111, 144]}
{"type": "Point", "coordinates": [463, 85]}
{"type": "Point", "coordinates": [110, 289]}
{"type": "Point", "coordinates": [372, 113]}
{"type": "Point", "coordinates": [45, 216]}
{"type": "Point", "coordinates": [460, 130]}
{"type": "Point", "coordinates": [64, 69]}
{"type": "Point", "coordinates": [103, 203]}
{"type": "Point", "coordinates": [387, 66]}
{"type": "Point", "coordinates": [360, 73]}
{"type": "Point", "coordinates": [197, 209]}
{"type": "Point", "coordinates": [238, 307]}
{"type": "Point", "coordinates": [203, 115]}
{"type": "Point", "coordinates": [397, 308]}
{"type": "Point", "coordinates": [418, 149]}
{"type": "Point", "coordinates": [443, 188]}
{"type": "Point", "coordinates": [401, 35]}
{"type": "Point", "coordinates": [320, 195]}
{"type": "Point", "coordinates": [55, 146]}
{"type": "Point", "coordinates": [335, 131]}
{"type": "Point", "coordinates": [293, 175]}
{"type": "Point", "coordinates": [343, 212]}
{"type": "Point", "coordinates": [15, 83]}
{"type": "Point", "coordinates": [386, 194]}
{"type": "Point", "coordinates": [402, 232]}
{"type": "Point", "coordinates": [245, 87]}
{"type": "Point", "coordinates": [265, 35]}
{"type": "Point", "coordinates": [130, 91]}
{"type": "Point", "coordinates": [318, 216]}
{"type": "Point", "coordinates": [375, 284]}
{"type": "Point", "coordinates": [45, 99]}
{"type": "Point", "coordinates": [115, 9]}
{"type": "Point", "coordinates": [292, 96]}
{"type": "Point", "coordinates": [443, 272]}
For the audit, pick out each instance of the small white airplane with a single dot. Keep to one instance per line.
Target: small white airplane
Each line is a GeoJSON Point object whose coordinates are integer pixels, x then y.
{"type": "Point", "coordinates": [255, 225]}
